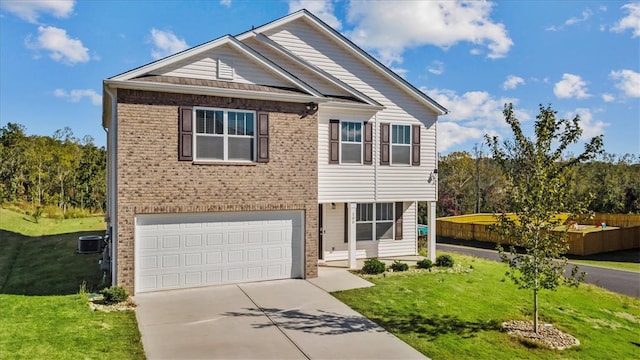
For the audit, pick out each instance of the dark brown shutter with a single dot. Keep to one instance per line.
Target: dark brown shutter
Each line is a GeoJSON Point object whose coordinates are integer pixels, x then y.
{"type": "Point", "coordinates": [399, 210]}
{"type": "Point", "coordinates": [346, 222]}
{"type": "Point", "coordinates": [367, 149]}
{"type": "Point", "coordinates": [384, 143]}
{"type": "Point", "coordinates": [185, 133]}
{"type": "Point", "coordinates": [263, 137]}
{"type": "Point", "coordinates": [334, 141]}
{"type": "Point", "coordinates": [415, 145]}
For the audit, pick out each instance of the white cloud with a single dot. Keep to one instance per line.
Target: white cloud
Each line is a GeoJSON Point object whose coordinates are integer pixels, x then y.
{"type": "Point", "coordinates": [451, 134]}
{"type": "Point", "coordinates": [61, 47]}
{"type": "Point", "coordinates": [571, 86]}
{"type": "Point", "coordinates": [226, 3]}
{"type": "Point", "coordinates": [436, 67]}
{"type": "Point", "coordinates": [586, 14]}
{"type": "Point", "coordinates": [628, 81]}
{"type": "Point", "coordinates": [589, 126]}
{"type": "Point", "coordinates": [608, 97]}
{"type": "Point", "coordinates": [512, 82]}
{"type": "Point", "coordinates": [631, 21]}
{"type": "Point", "coordinates": [76, 95]}
{"type": "Point", "coordinates": [320, 8]}
{"type": "Point", "coordinates": [166, 43]}
{"type": "Point", "coordinates": [31, 10]}
{"type": "Point", "coordinates": [390, 28]}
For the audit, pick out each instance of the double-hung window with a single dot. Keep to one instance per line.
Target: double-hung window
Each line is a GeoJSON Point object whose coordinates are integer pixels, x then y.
{"type": "Point", "coordinates": [351, 142]}
{"type": "Point", "coordinates": [374, 221]}
{"type": "Point", "coordinates": [224, 135]}
{"type": "Point", "coordinates": [401, 144]}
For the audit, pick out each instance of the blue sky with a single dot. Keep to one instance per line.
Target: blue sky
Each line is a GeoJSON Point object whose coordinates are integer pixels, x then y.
{"type": "Point", "coordinates": [582, 57]}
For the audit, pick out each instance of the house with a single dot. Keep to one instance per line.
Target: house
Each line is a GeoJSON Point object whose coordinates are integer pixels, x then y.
{"type": "Point", "coordinates": [254, 157]}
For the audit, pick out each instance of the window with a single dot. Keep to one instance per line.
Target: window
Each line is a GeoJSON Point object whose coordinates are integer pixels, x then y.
{"type": "Point", "coordinates": [401, 144]}
{"type": "Point", "coordinates": [374, 222]}
{"type": "Point", "coordinates": [224, 135]}
{"type": "Point", "coordinates": [350, 142]}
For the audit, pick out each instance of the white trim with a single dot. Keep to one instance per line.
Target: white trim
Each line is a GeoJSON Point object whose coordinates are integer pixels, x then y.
{"type": "Point", "coordinates": [392, 144]}
{"type": "Point", "coordinates": [225, 135]}
{"type": "Point", "coordinates": [352, 143]}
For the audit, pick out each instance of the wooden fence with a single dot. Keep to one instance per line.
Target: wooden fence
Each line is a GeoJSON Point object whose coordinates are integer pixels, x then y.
{"type": "Point", "coordinates": [627, 236]}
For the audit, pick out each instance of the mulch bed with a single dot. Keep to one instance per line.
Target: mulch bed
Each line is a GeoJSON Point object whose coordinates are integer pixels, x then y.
{"type": "Point", "coordinates": [547, 336]}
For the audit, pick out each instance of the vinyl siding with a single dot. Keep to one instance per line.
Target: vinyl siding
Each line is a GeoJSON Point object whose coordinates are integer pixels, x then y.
{"type": "Point", "coordinates": [342, 182]}
{"type": "Point", "coordinates": [204, 66]}
{"type": "Point", "coordinates": [336, 249]}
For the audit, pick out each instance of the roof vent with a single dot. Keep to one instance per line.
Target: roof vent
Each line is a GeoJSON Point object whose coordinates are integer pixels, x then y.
{"type": "Point", "coordinates": [225, 69]}
{"type": "Point", "coordinates": [89, 244]}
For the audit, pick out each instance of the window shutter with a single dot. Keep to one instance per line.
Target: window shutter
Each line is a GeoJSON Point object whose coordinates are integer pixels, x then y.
{"type": "Point", "coordinates": [367, 149]}
{"type": "Point", "coordinates": [384, 143]}
{"type": "Point", "coordinates": [334, 141]}
{"type": "Point", "coordinates": [185, 133]}
{"type": "Point", "coordinates": [263, 137]}
{"type": "Point", "coordinates": [399, 210]}
{"type": "Point", "coordinates": [415, 145]}
{"type": "Point", "coordinates": [346, 222]}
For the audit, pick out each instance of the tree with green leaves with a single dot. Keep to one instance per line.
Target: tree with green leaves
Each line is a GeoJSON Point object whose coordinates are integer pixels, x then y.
{"type": "Point", "coordinates": [538, 174]}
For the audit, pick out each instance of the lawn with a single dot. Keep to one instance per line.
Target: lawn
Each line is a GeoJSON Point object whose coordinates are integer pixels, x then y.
{"type": "Point", "coordinates": [457, 315]}
{"type": "Point", "coordinates": [43, 316]}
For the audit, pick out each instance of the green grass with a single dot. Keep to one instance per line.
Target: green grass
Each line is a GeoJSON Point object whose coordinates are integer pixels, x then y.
{"type": "Point", "coordinates": [25, 225]}
{"type": "Point", "coordinates": [457, 316]}
{"type": "Point", "coordinates": [628, 266]}
{"type": "Point", "coordinates": [42, 315]}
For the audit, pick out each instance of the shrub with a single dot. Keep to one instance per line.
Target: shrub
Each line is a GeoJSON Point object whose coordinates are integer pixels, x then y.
{"type": "Point", "coordinates": [76, 213]}
{"type": "Point", "coordinates": [399, 266]}
{"type": "Point", "coordinates": [424, 264]}
{"type": "Point", "coordinates": [53, 212]}
{"type": "Point", "coordinates": [444, 261]}
{"type": "Point", "coordinates": [114, 295]}
{"type": "Point", "coordinates": [373, 266]}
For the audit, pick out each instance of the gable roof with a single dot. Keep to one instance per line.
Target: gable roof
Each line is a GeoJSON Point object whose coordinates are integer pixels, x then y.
{"type": "Point", "coordinates": [354, 49]}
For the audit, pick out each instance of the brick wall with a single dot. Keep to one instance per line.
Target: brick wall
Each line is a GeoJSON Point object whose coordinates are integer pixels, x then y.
{"type": "Point", "coordinates": [151, 180]}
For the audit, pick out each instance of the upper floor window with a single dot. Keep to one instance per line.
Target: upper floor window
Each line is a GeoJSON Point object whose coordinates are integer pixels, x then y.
{"type": "Point", "coordinates": [350, 142]}
{"type": "Point", "coordinates": [224, 135]}
{"type": "Point", "coordinates": [401, 144]}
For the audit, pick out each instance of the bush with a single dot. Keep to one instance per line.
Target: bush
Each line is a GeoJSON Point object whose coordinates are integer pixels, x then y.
{"type": "Point", "coordinates": [373, 266]}
{"type": "Point", "coordinates": [114, 295]}
{"type": "Point", "coordinates": [52, 212]}
{"type": "Point", "coordinates": [424, 264]}
{"type": "Point", "coordinates": [444, 261]}
{"type": "Point", "coordinates": [399, 266]}
{"type": "Point", "coordinates": [76, 213]}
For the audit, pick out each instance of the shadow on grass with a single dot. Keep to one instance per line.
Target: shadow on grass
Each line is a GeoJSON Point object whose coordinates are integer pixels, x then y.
{"type": "Point", "coordinates": [434, 326]}
{"type": "Point", "coordinates": [318, 322]}
{"type": "Point", "coordinates": [47, 265]}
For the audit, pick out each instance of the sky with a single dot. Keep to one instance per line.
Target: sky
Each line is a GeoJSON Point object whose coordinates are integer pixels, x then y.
{"type": "Point", "coordinates": [580, 57]}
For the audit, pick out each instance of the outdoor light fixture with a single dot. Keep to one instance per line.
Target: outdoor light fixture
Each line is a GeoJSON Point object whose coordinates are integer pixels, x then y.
{"type": "Point", "coordinates": [333, 206]}
{"type": "Point", "coordinates": [311, 107]}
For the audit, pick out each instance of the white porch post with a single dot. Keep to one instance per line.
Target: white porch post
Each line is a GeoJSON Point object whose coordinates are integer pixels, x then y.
{"type": "Point", "coordinates": [432, 230]}
{"type": "Point", "coordinates": [351, 241]}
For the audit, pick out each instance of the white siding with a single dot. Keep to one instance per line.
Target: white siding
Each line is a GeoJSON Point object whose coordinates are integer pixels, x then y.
{"type": "Point", "coordinates": [336, 249]}
{"type": "Point", "coordinates": [309, 77]}
{"type": "Point", "coordinates": [390, 183]}
{"type": "Point", "coordinates": [204, 66]}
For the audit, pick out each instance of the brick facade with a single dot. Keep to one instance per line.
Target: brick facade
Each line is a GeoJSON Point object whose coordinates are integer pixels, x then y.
{"type": "Point", "coordinates": [151, 180]}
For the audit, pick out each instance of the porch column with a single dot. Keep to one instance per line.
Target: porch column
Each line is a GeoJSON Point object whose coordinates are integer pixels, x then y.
{"type": "Point", "coordinates": [351, 241]}
{"type": "Point", "coordinates": [431, 210]}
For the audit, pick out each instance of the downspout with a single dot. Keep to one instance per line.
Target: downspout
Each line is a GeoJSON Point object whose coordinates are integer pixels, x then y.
{"type": "Point", "coordinates": [111, 185]}
{"type": "Point", "coordinates": [376, 132]}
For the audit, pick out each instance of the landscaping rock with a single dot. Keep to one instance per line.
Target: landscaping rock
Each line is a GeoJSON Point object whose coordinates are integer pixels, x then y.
{"type": "Point", "coordinates": [547, 336]}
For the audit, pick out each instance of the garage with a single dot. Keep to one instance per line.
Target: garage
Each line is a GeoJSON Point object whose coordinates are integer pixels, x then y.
{"type": "Point", "coordinates": [175, 251]}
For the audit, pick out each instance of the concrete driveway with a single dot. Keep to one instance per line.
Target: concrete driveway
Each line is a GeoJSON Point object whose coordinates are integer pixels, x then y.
{"type": "Point", "coordinates": [284, 319]}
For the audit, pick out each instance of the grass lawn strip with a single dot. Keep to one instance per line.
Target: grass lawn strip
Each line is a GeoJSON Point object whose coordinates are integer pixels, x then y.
{"type": "Point", "coordinates": [458, 315]}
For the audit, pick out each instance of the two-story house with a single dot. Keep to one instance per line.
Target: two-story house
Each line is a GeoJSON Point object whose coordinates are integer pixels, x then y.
{"type": "Point", "coordinates": [254, 157]}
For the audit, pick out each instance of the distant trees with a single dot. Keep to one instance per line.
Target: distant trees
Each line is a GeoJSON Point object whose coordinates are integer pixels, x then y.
{"type": "Point", "coordinates": [61, 170]}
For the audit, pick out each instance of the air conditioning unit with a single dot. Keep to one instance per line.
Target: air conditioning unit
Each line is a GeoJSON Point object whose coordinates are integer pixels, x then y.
{"type": "Point", "coordinates": [89, 244]}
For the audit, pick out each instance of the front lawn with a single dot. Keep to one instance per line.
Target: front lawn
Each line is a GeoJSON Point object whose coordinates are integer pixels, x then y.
{"type": "Point", "coordinates": [458, 315]}
{"type": "Point", "coordinates": [41, 313]}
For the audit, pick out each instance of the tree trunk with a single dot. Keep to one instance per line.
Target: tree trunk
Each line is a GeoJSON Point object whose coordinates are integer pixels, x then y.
{"type": "Point", "coordinates": [535, 310]}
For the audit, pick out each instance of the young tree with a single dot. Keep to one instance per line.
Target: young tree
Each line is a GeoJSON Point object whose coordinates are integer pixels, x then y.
{"type": "Point", "coordinates": [537, 190]}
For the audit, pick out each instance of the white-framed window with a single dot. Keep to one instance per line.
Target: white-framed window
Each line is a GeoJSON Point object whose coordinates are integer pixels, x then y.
{"type": "Point", "coordinates": [224, 135]}
{"type": "Point", "coordinates": [374, 221]}
{"type": "Point", "coordinates": [400, 144]}
{"type": "Point", "coordinates": [350, 142]}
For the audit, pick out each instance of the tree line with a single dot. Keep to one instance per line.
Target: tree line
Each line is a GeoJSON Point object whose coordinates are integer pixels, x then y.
{"type": "Point", "coordinates": [472, 182]}
{"type": "Point", "coordinates": [60, 174]}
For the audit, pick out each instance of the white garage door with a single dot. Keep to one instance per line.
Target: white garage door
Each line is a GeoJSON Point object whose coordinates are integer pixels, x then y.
{"type": "Point", "coordinates": [189, 250]}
